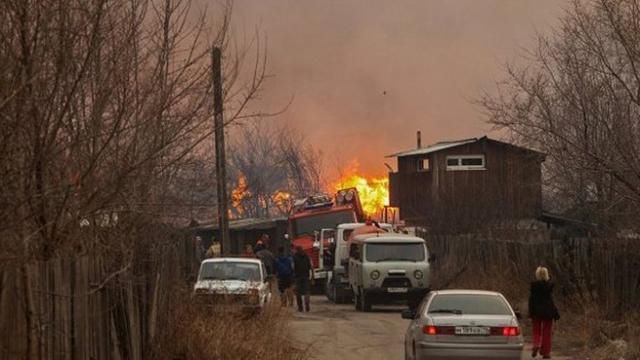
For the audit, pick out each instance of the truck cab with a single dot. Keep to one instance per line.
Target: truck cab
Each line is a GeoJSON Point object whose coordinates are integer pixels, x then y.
{"type": "Point", "coordinates": [306, 223]}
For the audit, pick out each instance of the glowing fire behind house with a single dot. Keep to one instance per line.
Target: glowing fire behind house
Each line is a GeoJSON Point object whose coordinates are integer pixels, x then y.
{"type": "Point", "coordinates": [373, 191]}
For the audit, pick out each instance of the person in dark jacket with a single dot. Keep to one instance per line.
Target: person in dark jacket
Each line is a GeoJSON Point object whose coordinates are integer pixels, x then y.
{"type": "Point", "coordinates": [303, 272]}
{"type": "Point", "coordinates": [267, 258]}
{"type": "Point", "coordinates": [284, 272]}
{"type": "Point", "coordinates": [542, 311]}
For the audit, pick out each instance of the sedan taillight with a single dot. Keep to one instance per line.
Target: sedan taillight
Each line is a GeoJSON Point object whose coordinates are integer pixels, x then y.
{"type": "Point", "coordinates": [505, 331]}
{"type": "Point", "coordinates": [430, 330]}
{"type": "Point", "coordinates": [439, 330]}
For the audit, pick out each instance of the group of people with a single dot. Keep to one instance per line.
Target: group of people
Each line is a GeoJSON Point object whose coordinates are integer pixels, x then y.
{"type": "Point", "coordinates": [293, 273]}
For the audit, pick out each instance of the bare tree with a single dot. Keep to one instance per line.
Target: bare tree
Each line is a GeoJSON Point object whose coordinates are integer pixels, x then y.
{"type": "Point", "coordinates": [103, 105]}
{"type": "Point", "coordinates": [272, 165]}
{"type": "Point", "coordinates": [578, 100]}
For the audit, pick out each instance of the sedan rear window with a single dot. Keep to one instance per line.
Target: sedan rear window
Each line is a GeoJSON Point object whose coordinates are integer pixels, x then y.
{"type": "Point", "coordinates": [469, 304]}
{"type": "Point", "coordinates": [225, 270]}
{"type": "Point", "coordinates": [395, 252]}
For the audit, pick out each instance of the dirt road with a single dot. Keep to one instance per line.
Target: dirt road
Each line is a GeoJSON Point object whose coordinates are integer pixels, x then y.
{"type": "Point", "coordinates": [339, 332]}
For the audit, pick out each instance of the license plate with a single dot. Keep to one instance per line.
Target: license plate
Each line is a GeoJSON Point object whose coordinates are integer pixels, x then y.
{"type": "Point", "coordinates": [472, 330]}
{"type": "Point", "coordinates": [397, 290]}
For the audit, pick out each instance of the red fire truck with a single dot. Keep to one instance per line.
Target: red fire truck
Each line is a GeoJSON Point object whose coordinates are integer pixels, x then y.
{"type": "Point", "coordinates": [314, 213]}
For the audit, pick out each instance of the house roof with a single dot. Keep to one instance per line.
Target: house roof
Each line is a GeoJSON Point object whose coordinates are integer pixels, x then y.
{"type": "Point", "coordinates": [442, 145]}
{"type": "Point", "coordinates": [243, 224]}
{"type": "Point", "coordinates": [439, 146]}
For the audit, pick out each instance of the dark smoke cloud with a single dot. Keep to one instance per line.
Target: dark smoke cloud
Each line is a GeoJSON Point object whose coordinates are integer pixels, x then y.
{"type": "Point", "coordinates": [367, 74]}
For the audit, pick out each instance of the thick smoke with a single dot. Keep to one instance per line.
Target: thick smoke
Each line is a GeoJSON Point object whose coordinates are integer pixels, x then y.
{"type": "Point", "coordinates": [367, 74]}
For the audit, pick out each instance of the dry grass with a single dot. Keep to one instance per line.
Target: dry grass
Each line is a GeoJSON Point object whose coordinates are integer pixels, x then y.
{"type": "Point", "coordinates": [592, 334]}
{"type": "Point", "coordinates": [200, 331]}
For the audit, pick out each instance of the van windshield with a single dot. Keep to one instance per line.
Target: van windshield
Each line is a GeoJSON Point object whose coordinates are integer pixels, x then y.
{"type": "Point", "coordinates": [377, 252]}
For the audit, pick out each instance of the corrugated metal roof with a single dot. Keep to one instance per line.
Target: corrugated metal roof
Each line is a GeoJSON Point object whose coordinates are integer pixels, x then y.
{"type": "Point", "coordinates": [434, 148]}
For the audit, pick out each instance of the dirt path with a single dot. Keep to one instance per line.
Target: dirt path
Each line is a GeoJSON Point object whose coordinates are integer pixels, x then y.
{"type": "Point", "coordinates": [339, 332]}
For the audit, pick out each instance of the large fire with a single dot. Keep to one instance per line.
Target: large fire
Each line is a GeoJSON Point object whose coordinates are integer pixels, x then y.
{"type": "Point", "coordinates": [247, 204]}
{"type": "Point", "coordinates": [373, 191]}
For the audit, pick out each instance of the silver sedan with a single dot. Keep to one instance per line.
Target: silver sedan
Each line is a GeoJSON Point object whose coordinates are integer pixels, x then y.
{"type": "Point", "coordinates": [463, 324]}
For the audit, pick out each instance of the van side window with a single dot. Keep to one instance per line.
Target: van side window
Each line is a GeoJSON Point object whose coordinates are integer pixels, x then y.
{"type": "Point", "coordinates": [354, 252]}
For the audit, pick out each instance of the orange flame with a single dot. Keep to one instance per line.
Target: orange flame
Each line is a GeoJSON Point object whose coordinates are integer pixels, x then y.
{"type": "Point", "coordinates": [281, 198]}
{"type": "Point", "coordinates": [373, 191]}
{"type": "Point", "coordinates": [240, 193]}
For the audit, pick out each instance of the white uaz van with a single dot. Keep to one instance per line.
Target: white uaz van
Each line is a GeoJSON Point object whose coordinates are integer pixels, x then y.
{"type": "Point", "coordinates": [337, 286]}
{"type": "Point", "coordinates": [387, 267]}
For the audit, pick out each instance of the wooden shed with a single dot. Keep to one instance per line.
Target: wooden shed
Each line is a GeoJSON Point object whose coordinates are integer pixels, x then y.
{"type": "Point", "coordinates": [456, 184]}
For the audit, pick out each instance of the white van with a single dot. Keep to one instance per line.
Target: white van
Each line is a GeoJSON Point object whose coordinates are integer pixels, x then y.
{"type": "Point", "coordinates": [337, 287]}
{"type": "Point", "coordinates": [388, 267]}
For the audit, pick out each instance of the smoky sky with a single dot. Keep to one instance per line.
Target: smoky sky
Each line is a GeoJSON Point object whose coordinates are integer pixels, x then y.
{"type": "Point", "coordinates": [366, 75]}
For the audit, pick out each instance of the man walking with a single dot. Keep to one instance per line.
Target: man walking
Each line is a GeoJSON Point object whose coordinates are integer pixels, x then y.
{"type": "Point", "coordinates": [269, 261]}
{"type": "Point", "coordinates": [266, 256]}
{"type": "Point", "coordinates": [303, 273]}
{"type": "Point", "coordinates": [284, 272]}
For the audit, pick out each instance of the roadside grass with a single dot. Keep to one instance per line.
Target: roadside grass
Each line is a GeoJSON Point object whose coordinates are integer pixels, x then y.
{"type": "Point", "coordinates": [584, 330]}
{"type": "Point", "coordinates": [596, 336]}
{"type": "Point", "coordinates": [201, 331]}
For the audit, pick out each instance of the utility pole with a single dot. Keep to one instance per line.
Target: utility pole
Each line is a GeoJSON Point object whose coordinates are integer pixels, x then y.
{"type": "Point", "coordinates": [221, 162]}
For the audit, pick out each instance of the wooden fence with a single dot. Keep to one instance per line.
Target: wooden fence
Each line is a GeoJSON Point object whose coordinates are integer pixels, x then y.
{"type": "Point", "coordinates": [594, 270]}
{"type": "Point", "coordinates": [83, 308]}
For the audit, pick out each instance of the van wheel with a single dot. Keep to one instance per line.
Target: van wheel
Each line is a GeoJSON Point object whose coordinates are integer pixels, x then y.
{"type": "Point", "coordinates": [365, 302]}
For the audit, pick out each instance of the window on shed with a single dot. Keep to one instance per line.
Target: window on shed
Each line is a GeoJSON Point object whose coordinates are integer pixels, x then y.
{"type": "Point", "coordinates": [453, 161]}
{"type": "Point", "coordinates": [465, 162]}
{"type": "Point", "coordinates": [423, 164]}
{"type": "Point", "coordinates": [472, 161]}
